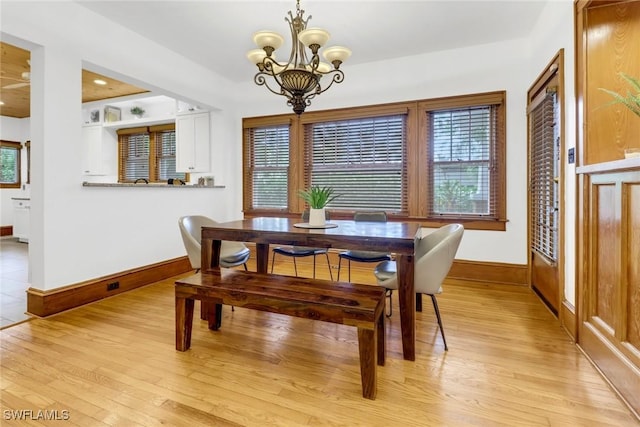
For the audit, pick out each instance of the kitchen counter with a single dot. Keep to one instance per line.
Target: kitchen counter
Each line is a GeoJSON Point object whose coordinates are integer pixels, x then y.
{"type": "Point", "coordinates": [142, 185]}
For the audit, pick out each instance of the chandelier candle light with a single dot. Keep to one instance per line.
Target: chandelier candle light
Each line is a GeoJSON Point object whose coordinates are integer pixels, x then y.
{"type": "Point", "coordinates": [299, 79]}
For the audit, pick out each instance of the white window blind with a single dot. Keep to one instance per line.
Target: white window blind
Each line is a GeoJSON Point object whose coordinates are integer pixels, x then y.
{"type": "Point", "coordinates": [362, 159]}
{"type": "Point", "coordinates": [544, 169]}
{"type": "Point", "coordinates": [461, 157]}
{"type": "Point", "coordinates": [166, 156]}
{"type": "Point", "coordinates": [135, 156]}
{"type": "Point", "coordinates": [269, 166]}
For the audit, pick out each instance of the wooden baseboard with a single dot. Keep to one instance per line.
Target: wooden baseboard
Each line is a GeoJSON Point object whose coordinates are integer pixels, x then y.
{"type": "Point", "coordinates": [478, 271]}
{"type": "Point", "coordinates": [6, 230]}
{"type": "Point", "coordinates": [568, 319]}
{"type": "Point", "coordinates": [45, 303]}
{"type": "Point", "coordinates": [493, 272]}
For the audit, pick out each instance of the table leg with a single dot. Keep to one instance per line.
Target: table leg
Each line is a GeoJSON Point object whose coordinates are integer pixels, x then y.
{"type": "Point", "coordinates": [262, 257]}
{"type": "Point", "coordinates": [407, 297]}
{"type": "Point", "coordinates": [209, 264]}
{"type": "Point", "coordinates": [210, 256]}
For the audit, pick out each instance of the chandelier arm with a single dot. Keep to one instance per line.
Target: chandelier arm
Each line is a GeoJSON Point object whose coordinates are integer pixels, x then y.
{"type": "Point", "coordinates": [261, 80]}
{"type": "Point", "coordinates": [337, 76]}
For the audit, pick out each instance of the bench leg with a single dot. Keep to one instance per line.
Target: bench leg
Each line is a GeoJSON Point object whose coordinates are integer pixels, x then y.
{"type": "Point", "coordinates": [212, 313]}
{"type": "Point", "coordinates": [367, 348]}
{"type": "Point", "coordinates": [204, 309]}
{"type": "Point", "coordinates": [214, 316]}
{"type": "Point", "coordinates": [184, 323]}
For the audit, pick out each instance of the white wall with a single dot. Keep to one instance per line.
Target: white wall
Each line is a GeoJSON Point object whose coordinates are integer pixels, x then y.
{"type": "Point", "coordinates": [80, 233]}
{"type": "Point", "coordinates": [16, 130]}
{"type": "Point", "coordinates": [145, 219]}
{"type": "Point", "coordinates": [485, 68]}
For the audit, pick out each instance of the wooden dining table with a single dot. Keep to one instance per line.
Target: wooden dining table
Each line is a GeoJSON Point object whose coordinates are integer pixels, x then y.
{"type": "Point", "coordinates": [393, 237]}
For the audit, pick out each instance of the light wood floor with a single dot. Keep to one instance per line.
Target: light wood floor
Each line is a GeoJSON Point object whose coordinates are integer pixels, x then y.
{"type": "Point", "coordinates": [113, 363]}
{"type": "Point", "coordinates": [14, 271]}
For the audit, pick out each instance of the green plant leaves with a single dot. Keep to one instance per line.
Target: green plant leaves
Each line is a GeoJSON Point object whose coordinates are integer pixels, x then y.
{"type": "Point", "coordinates": [630, 100]}
{"type": "Point", "coordinates": [318, 197]}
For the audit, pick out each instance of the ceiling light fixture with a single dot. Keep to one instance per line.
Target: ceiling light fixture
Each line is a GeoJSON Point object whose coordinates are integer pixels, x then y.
{"type": "Point", "coordinates": [100, 82]}
{"type": "Point", "coordinates": [299, 79]}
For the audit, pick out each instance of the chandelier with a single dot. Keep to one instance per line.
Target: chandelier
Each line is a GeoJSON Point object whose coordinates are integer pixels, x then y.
{"type": "Point", "coordinates": [298, 79]}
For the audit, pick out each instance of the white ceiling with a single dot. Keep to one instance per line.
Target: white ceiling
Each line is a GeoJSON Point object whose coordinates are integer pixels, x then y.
{"type": "Point", "coordinates": [217, 33]}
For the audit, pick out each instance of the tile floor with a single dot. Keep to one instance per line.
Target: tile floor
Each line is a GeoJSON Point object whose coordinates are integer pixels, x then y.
{"type": "Point", "coordinates": [14, 262]}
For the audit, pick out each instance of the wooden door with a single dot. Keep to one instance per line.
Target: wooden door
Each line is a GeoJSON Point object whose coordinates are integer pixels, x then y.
{"type": "Point", "coordinates": [544, 124]}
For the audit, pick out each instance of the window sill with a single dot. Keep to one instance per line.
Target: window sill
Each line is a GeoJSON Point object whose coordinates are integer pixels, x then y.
{"type": "Point", "coordinates": [150, 185]}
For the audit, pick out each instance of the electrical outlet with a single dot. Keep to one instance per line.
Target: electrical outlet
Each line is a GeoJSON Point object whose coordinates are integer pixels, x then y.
{"type": "Point", "coordinates": [113, 286]}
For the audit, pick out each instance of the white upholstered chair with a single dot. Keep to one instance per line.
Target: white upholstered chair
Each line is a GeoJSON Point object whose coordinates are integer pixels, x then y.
{"type": "Point", "coordinates": [231, 253]}
{"type": "Point", "coordinates": [434, 256]}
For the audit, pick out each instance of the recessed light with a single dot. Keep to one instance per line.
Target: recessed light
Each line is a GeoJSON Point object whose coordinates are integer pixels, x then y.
{"type": "Point", "coordinates": [1, 103]}
{"type": "Point", "coordinates": [100, 82]}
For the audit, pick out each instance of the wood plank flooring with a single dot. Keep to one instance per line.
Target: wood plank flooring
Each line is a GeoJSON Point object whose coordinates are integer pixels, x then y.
{"type": "Point", "coordinates": [114, 363]}
{"type": "Point", "coordinates": [14, 281]}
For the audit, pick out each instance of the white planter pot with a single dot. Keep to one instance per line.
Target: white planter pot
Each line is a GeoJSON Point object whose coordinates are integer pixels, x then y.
{"type": "Point", "coordinates": [316, 217]}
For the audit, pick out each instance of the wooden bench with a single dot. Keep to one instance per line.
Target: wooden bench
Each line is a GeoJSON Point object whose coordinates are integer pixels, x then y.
{"type": "Point", "coordinates": [345, 303]}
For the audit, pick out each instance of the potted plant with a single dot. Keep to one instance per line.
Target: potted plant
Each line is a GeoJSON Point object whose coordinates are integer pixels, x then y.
{"type": "Point", "coordinates": [317, 198]}
{"type": "Point", "coordinates": [630, 100]}
{"type": "Point", "coordinates": [137, 111]}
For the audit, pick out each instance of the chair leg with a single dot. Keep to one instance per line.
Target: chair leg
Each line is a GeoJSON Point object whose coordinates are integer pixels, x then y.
{"type": "Point", "coordinates": [245, 267]}
{"type": "Point", "coordinates": [295, 267]}
{"type": "Point", "coordinates": [389, 293]}
{"type": "Point", "coordinates": [339, 266]}
{"type": "Point", "coordinates": [435, 306]}
{"type": "Point", "coordinates": [314, 266]}
{"type": "Point", "coordinates": [273, 260]}
{"type": "Point", "coordinates": [349, 269]}
{"type": "Point", "coordinates": [329, 265]}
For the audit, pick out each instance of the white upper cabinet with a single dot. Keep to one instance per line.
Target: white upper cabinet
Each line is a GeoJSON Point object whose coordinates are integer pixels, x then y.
{"type": "Point", "coordinates": [98, 150]}
{"type": "Point", "coordinates": [193, 142]}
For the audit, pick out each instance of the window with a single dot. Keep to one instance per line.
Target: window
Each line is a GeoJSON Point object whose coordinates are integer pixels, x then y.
{"type": "Point", "coordinates": [148, 153]}
{"type": "Point", "coordinates": [435, 161]}
{"type": "Point", "coordinates": [28, 145]}
{"type": "Point", "coordinates": [10, 167]}
{"type": "Point", "coordinates": [267, 166]}
{"type": "Point", "coordinates": [464, 165]}
{"type": "Point", "coordinates": [459, 161]}
{"type": "Point", "coordinates": [270, 166]}
{"type": "Point", "coordinates": [362, 159]}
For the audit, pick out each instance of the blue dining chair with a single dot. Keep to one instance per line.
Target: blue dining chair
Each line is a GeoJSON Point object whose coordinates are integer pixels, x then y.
{"type": "Point", "coordinates": [364, 256]}
{"type": "Point", "coordinates": [302, 251]}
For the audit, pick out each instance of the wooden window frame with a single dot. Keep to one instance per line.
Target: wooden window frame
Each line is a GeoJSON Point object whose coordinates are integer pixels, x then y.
{"type": "Point", "coordinates": [28, 145]}
{"type": "Point", "coordinates": [18, 147]}
{"type": "Point", "coordinates": [154, 158]}
{"type": "Point", "coordinates": [496, 220]}
{"type": "Point", "coordinates": [416, 149]}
